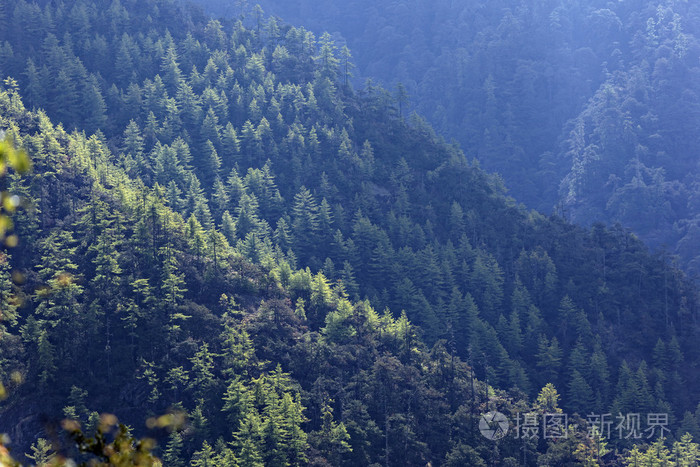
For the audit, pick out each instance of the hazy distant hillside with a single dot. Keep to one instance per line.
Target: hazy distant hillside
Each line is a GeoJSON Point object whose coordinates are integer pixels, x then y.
{"type": "Point", "coordinates": [586, 108]}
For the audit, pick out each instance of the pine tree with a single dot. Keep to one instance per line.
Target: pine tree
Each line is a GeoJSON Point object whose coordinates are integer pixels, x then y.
{"type": "Point", "coordinates": [292, 420]}
{"type": "Point", "coordinates": [231, 149]}
{"type": "Point", "coordinates": [46, 358]}
{"type": "Point", "coordinates": [347, 65]}
{"type": "Point", "coordinates": [274, 434]}
{"type": "Point", "coordinates": [228, 227]}
{"type": "Point", "coordinates": [282, 235]}
{"type": "Point", "coordinates": [189, 105]}
{"type": "Point", "coordinates": [688, 425]}
{"type": "Point", "coordinates": [173, 196]}
{"type": "Point", "coordinates": [41, 453]}
{"type": "Point", "coordinates": [626, 391]}
{"type": "Point", "coordinates": [325, 223]}
{"type": "Point", "coordinates": [226, 457]}
{"type": "Point", "coordinates": [64, 103]}
{"type": "Point", "coordinates": [401, 97]}
{"type": "Point", "coordinates": [167, 166]}
{"type": "Point", "coordinates": [148, 373]}
{"type": "Point", "coordinates": [305, 223]}
{"type": "Point", "coordinates": [220, 198]}
{"type": "Point", "coordinates": [347, 276]}
{"type": "Point", "coordinates": [173, 451]}
{"type": "Point", "coordinates": [196, 202]}
{"type": "Point", "coordinates": [211, 163]}
{"type": "Point", "coordinates": [133, 141]}
{"type": "Point", "coordinates": [210, 129]}
{"type": "Point", "coordinates": [486, 285]}
{"type": "Point", "coordinates": [36, 87]}
{"type": "Point", "coordinates": [580, 394]}
{"type": "Point", "coordinates": [218, 248]}
{"type": "Point", "coordinates": [93, 109]}
{"type": "Point", "coordinates": [202, 380]}
{"type": "Point", "coordinates": [8, 303]}
{"type": "Point", "coordinates": [182, 150]}
{"type": "Point", "coordinates": [237, 402]}
{"type": "Point", "coordinates": [332, 439]}
{"type": "Point", "coordinates": [205, 457]}
{"type": "Point", "coordinates": [170, 70]}
{"type": "Point", "coordinates": [326, 59]}
{"type": "Point", "coordinates": [249, 441]}
{"type": "Point", "coordinates": [247, 216]}
{"type": "Point", "coordinates": [549, 357]}
{"type": "Point", "coordinates": [600, 377]}
{"type": "Point", "coordinates": [171, 280]}
{"type": "Point", "coordinates": [548, 399]}
{"type": "Point", "coordinates": [235, 186]}
{"type": "Point", "coordinates": [199, 423]}
{"type": "Point", "coordinates": [151, 129]}
{"type": "Point", "coordinates": [456, 222]}
{"type": "Point", "coordinates": [261, 183]}
{"type": "Point", "coordinates": [59, 308]}
{"type": "Point", "coordinates": [107, 270]}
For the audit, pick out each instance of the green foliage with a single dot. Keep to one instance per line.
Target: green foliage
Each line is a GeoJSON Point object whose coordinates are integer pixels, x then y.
{"type": "Point", "coordinates": [41, 453]}
{"type": "Point", "coordinates": [10, 158]}
{"type": "Point", "coordinates": [563, 117]}
{"type": "Point", "coordinates": [684, 452]}
{"type": "Point", "coordinates": [324, 196]}
{"type": "Point", "coordinates": [548, 399]}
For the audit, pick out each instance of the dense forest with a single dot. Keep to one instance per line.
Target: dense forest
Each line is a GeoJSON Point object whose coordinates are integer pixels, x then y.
{"type": "Point", "coordinates": [587, 108]}
{"type": "Point", "coordinates": [218, 224]}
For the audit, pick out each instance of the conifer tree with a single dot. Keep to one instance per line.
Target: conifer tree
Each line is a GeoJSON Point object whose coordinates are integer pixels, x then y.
{"type": "Point", "coordinates": [36, 86]}
{"type": "Point", "coordinates": [548, 399]}
{"type": "Point", "coordinates": [202, 381]}
{"type": "Point", "coordinates": [249, 441]}
{"type": "Point", "coordinates": [274, 434]}
{"type": "Point", "coordinates": [211, 163]}
{"type": "Point", "coordinates": [170, 70]}
{"type": "Point", "coordinates": [230, 145]}
{"type": "Point", "coordinates": [133, 140]}
{"type": "Point", "coordinates": [46, 358]}
{"type": "Point", "coordinates": [42, 452]}
{"type": "Point", "coordinates": [247, 216]}
{"type": "Point", "coordinates": [228, 227]}
{"type": "Point", "coordinates": [328, 62]}
{"type": "Point", "coordinates": [210, 129]}
{"type": "Point", "coordinates": [172, 290]}
{"type": "Point", "coordinates": [237, 402]}
{"type": "Point", "coordinates": [580, 394]}
{"type": "Point", "coordinates": [65, 99]}
{"type": "Point", "coordinates": [205, 457]}
{"type": "Point", "coordinates": [305, 223]}
{"type": "Point", "coordinates": [173, 450]}
{"type": "Point", "coordinates": [332, 439]}
{"type": "Point", "coordinates": [93, 108]}
{"type": "Point", "coordinates": [549, 356]}
{"type": "Point", "coordinates": [293, 420]}
{"type": "Point", "coordinates": [8, 303]}
{"type": "Point", "coordinates": [282, 235]}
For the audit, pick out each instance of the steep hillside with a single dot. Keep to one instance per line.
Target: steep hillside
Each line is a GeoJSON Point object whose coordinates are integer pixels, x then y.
{"type": "Point", "coordinates": [120, 306]}
{"type": "Point", "coordinates": [587, 108]}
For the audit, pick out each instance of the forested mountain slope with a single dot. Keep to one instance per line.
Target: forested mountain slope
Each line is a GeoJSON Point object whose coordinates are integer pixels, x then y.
{"type": "Point", "coordinates": [240, 207]}
{"type": "Point", "coordinates": [127, 312]}
{"type": "Point", "coordinates": [588, 108]}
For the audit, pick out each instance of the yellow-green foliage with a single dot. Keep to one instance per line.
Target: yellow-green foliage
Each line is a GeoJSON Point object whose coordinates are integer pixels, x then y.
{"type": "Point", "coordinates": [18, 160]}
